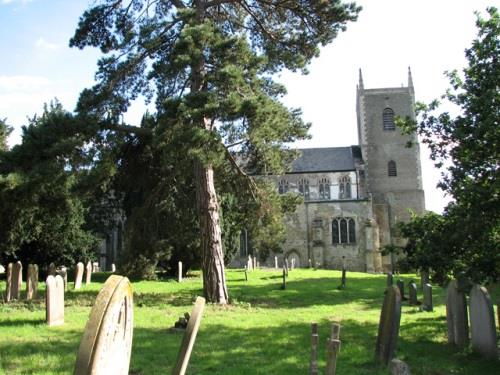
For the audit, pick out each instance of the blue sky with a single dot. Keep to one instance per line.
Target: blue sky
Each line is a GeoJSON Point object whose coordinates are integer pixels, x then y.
{"type": "Point", "coordinates": [37, 65]}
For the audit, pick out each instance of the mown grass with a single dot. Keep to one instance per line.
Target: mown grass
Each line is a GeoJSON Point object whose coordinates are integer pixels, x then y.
{"type": "Point", "coordinates": [265, 330]}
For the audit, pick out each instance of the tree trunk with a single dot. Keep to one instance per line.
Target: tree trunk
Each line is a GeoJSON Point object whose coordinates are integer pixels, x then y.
{"type": "Point", "coordinates": [214, 279]}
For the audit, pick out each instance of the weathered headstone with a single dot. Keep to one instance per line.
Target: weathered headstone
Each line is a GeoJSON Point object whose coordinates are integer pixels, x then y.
{"type": "Point", "coordinates": [189, 337]}
{"type": "Point", "coordinates": [401, 287]}
{"type": "Point", "coordinates": [276, 262]}
{"type": "Point", "coordinates": [390, 281]}
{"type": "Point", "coordinates": [388, 329]}
{"type": "Point", "coordinates": [179, 272]}
{"type": "Point", "coordinates": [313, 367]}
{"type": "Point", "coordinates": [399, 367]}
{"type": "Point", "coordinates": [255, 263]}
{"type": "Point", "coordinates": [52, 269]}
{"type": "Point", "coordinates": [412, 292]}
{"type": "Point", "coordinates": [54, 300]}
{"type": "Point", "coordinates": [283, 285]}
{"type": "Point", "coordinates": [17, 280]}
{"type": "Point", "coordinates": [249, 263]}
{"type": "Point", "coordinates": [113, 267]}
{"type": "Point", "coordinates": [88, 273]}
{"type": "Point", "coordinates": [482, 323]}
{"type": "Point", "coordinates": [427, 305]}
{"type": "Point", "coordinates": [32, 282]}
{"type": "Point", "coordinates": [78, 275]}
{"type": "Point", "coordinates": [424, 279]}
{"type": "Point", "coordinates": [95, 267]}
{"type": "Point", "coordinates": [8, 285]}
{"type": "Point", "coordinates": [107, 340]}
{"type": "Point", "coordinates": [63, 272]}
{"type": "Point", "coordinates": [332, 349]}
{"type": "Point", "coordinates": [456, 316]}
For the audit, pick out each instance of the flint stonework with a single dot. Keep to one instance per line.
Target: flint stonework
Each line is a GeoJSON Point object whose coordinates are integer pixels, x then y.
{"type": "Point", "coordinates": [456, 316]}
{"type": "Point", "coordinates": [78, 275]}
{"type": "Point", "coordinates": [482, 323]}
{"type": "Point", "coordinates": [388, 329]}
{"type": "Point", "coordinates": [54, 300]}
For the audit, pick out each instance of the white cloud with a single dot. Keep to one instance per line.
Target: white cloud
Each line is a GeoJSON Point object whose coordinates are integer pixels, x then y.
{"type": "Point", "coordinates": [16, 1]}
{"type": "Point", "coordinates": [42, 44]}
{"type": "Point", "coordinates": [22, 83]}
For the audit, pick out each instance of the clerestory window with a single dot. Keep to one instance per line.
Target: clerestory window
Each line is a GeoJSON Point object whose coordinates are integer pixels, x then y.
{"type": "Point", "coordinates": [304, 188]}
{"type": "Point", "coordinates": [324, 189]}
{"type": "Point", "coordinates": [283, 187]}
{"type": "Point", "coordinates": [344, 187]}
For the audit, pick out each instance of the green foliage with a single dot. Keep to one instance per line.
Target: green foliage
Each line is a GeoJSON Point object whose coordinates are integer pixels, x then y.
{"type": "Point", "coordinates": [468, 145]}
{"type": "Point", "coordinates": [5, 131]}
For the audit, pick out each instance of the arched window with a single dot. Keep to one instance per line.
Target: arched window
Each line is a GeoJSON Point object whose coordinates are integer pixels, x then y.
{"type": "Point", "coordinates": [388, 119]}
{"type": "Point", "coordinates": [392, 170]}
{"type": "Point", "coordinates": [344, 187]}
{"type": "Point", "coordinates": [283, 187]}
{"type": "Point", "coordinates": [343, 231]}
{"type": "Point", "coordinates": [304, 188]}
{"type": "Point", "coordinates": [324, 188]}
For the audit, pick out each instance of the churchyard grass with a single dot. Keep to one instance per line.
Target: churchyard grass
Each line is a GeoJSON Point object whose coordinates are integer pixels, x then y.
{"type": "Point", "coordinates": [265, 330]}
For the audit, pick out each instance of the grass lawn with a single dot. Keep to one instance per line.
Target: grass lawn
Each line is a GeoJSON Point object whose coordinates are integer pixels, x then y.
{"type": "Point", "coordinates": [265, 330]}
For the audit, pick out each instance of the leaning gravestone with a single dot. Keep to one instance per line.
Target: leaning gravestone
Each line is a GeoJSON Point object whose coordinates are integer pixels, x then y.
{"type": "Point", "coordinates": [107, 340]}
{"type": "Point", "coordinates": [17, 280]}
{"type": "Point", "coordinates": [78, 275]}
{"type": "Point", "coordinates": [401, 287]}
{"type": "Point", "coordinates": [389, 279]}
{"type": "Point", "coordinates": [32, 282]}
{"type": "Point", "coordinates": [427, 305]}
{"type": "Point", "coordinates": [8, 285]}
{"type": "Point", "coordinates": [412, 291]}
{"type": "Point", "coordinates": [388, 328]}
{"type": "Point", "coordinates": [189, 337]}
{"type": "Point", "coordinates": [456, 316]}
{"type": "Point", "coordinates": [54, 300]}
{"type": "Point", "coordinates": [482, 323]}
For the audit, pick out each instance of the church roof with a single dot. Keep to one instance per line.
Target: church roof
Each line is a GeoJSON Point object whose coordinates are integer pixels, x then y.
{"type": "Point", "coordinates": [328, 159]}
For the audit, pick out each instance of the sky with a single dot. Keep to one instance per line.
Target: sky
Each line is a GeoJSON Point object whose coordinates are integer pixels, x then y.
{"type": "Point", "coordinates": [430, 36]}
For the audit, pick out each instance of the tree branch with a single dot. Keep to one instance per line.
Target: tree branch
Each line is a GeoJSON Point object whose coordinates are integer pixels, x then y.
{"type": "Point", "coordinates": [252, 186]}
{"type": "Point", "coordinates": [129, 129]}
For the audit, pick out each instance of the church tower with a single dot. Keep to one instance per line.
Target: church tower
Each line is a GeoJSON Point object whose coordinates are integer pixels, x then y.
{"type": "Point", "coordinates": [392, 169]}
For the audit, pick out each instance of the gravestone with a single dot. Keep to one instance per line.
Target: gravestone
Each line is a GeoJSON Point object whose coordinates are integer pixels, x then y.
{"type": "Point", "coordinates": [52, 269]}
{"type": "Point", "coordinates": [332, 349]}
{"type": "Point", "coordinates": [179, 272]}
{"type": "Point", "coordinates": [388, 329]}
{"type": "Point", "coordinates": [427, 305]}
{"type": "Point", "coordinates": [482, 323]}
{"type": "Point", "coordinates": [401, 287]}
{"type": "Point", "coordinates": [249, 263]}
{"type": "Point", "coordinates": [2, 269]}
{"type": "Point", "coordinates": [424, 279]}
{"type": "Point", "coordinates": [456, 316]}
{"type": "Point", "coordinates": [8, 285]}
{"type": "Point", "coordinates": [63, 272]}
{"type": "Point", "coordinates": [17, 280]}
{"type": "Point", "coordinates": [398, 367]}
{"type": "Point", "coordinates": [88, 273]}
{"type": "Point", "coordinates": [107, 340]}
{"type": "Point", "coordinates": [113, 267]}
{"type": "Point", "coordinates": [254, 263]}
{"type": "Point", "coordinates": [310, 263]}
{"type": "Point", "coordinates": [276, 262]}
{"type": "Point", "coordinates": [283, 285]}
{"type": "Point", "coordinates": [54, 300]}
{"type": "Point", "coordinates": [313, 367]}
{"type": "Point", "coordinates": [32, 282]}
{"type": "Point", "coordinates": [189, 337]}
{"type": "Point", "coordinates": [78, 275]}
{"type": "Point", "coordinates": [343, 280]}
{"type": "Point", "coordinates": [390, 281]}
{"type": "Point", "coordinates": [412, 292]}
{"type": "Point", "coordinates": [95, 267]}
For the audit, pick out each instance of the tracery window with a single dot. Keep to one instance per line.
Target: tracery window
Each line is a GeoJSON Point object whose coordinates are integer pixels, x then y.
{"type": "Point", "coordinates": [343, 231]}
{"type": "Point", "coordinates": [388, 119]}
{"type": "Point", "coordinates": [324, 189]}
{"type": "Point", "coordinates": [344, 187]}
{"type": "Point", "coordinates": [304, 188]}
{"type": "Point", "coordinates": [283, 187]}
{"type": "Point", "coordinates": [392, 170]}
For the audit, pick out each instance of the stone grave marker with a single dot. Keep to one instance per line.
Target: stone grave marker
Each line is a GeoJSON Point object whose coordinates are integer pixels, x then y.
{"type": "Point", "coordinates": [54, 300]}
{"type": "Point", "coordinates": [63, 272]}
{"type": "Point", "coordinates": [2, 269]}
{"type": "Point", "coordinates": [276, 262]}
{"type": "Point", "coordinates": [106, 343]}
{"type": "Point", "coordinates": [456, 316]}
{"type": "Point", "coordinates": [482, 323]}
{"type": "Point", "coordinates": [78, 275]}
{"type": "Point", "coordinates": [332, 349]}
{"type": "Point", "coordinates": [427, 305]}
{"type": "Point", "coordinates": [249, 263]}
{"type": "Point", "coordinates": [113, 267]}
{"type": "Point", "coordinates": [283, 285]}
{"type": "Point", "coordinates": [412, 292]}
{"type": "Point", "coordinates": [401, 287]}
{"type": "Point", "coordinates": [343, 280]}
{"type": "Point", "coordinates": [95, 267]}
{"type": "Point", "coordinates": [8, 284]}
{"type": "Point", "coordinates": [424, 279]}
{"type": "Point", "coordinates": [52, 269]}
{"type": "Point", "coordinates": [88, 273]}
{"type": "Point", "coordinates": [398, 367]}
{"type": "Point", "coordinates": [246, 274]}
{"type": "Point", "coordinates": [179, 272]}
{"type": "Point", "coordinates": [313, 367]}
{"type": "Point", "coordinates": [32, 282]}
{"type": "Point", "coordinates": [388, 329]}
{"type": "Point", "coordinates": [310, 263]}
{"type": "Point", "coordinates": [390, 281]}
{"type": "Point", "coordinates": [189, 337]}
{"type": "Point", "coordinates": [254, 263]}
{"type": "Point", "coordinates": [17, 280]}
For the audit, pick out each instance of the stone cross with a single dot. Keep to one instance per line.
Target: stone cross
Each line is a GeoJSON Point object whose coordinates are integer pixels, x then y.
{"type": "Point", "coordinates": [390, 281]}
{"type": "Point", "coordinates": [78, 275]}
{"type": "Point", "coordinates": [332, 350]}
{"type": "Point", "coordinates": [283, 285]}
{"type": "Point", "coordinates": [388, 329]}
{"type": "Point", "coordinates": [107, 340]}
{"type": "Point", "coordinates": [63, 272]}
{"type": "Point", "coordinates": [276, 262]}
{"type": "Point", "coordinates": [482, 323]}
{"type": "Point", "coordinates": [54, 300]}
{"type": "Point", "coordinates": [17, 280]}
{"type": "Point", "coordinates": [456, 316]}
{"type": "Point", "coordinates": [32, 282]}
{"type": "Point", "coordinates": [179, 272]}
{"type": "Point", "coordinates": [88, 273]}
{"type": "Point", "coordinates": [8, 285]}
{"type": "Point", "coordinates": [427, 305]}
{"type": "Point", "coordinates": [313, 367]}
{"type": "Point", "coordinates": [113, 267]}
{"type": "Point", "coordinates": [189, 337]}
{"type": "Point", "coordinates": [401, 287]}
{"type": "Point", "coordinates": [412, 291]}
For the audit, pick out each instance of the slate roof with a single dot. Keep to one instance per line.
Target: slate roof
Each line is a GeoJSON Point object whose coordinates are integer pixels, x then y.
{"type": "Point", "coordinates": [328, 159]}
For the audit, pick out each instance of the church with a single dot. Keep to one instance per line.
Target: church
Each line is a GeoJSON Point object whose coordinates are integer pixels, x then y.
{"type": "Point", "coordinates": [354, 195]}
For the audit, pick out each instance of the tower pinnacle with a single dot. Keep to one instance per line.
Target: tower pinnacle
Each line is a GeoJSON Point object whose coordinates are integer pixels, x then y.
{"type": "Point", "coordinates": [361, 85]}
{"type": "Point", "coordinates": [410, 80]}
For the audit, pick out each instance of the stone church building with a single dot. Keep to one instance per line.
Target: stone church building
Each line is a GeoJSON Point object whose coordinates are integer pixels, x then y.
{"type": "Point", "coordinates": [354, 196]}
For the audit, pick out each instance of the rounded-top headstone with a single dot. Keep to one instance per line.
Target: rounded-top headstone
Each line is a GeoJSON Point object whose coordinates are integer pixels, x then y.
{"type": "Point", "coordinates": [107, 341]}
{"type": "Point", "coordinates": [388, 329]}
{"type": "Point", "coordinates": [482, 323]}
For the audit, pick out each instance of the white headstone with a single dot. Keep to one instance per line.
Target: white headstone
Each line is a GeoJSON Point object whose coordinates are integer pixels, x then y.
{"type": "Point", "coordinates": [276, 262]}
{"type": "Point", "coordinates": [78, 275]}
{"type": "Point", "coordinates": [179, 272]}
{"type": "Point", "coordinates": [88, 273]}
{"type": "Point", "coordinates": [54, 300]}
